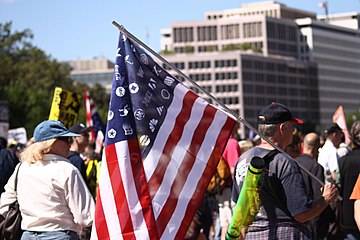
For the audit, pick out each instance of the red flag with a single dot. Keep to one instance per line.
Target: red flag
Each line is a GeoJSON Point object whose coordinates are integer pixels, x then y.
{"type": "Point", "coordinates": [339, 119]}
{"type": "Point", "coordinates": [162, 145]}
{"type": "Point", "coordinates": [88, 106]}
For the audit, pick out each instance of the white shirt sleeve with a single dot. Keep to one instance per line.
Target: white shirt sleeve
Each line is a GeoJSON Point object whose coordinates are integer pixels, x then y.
{"type": "Point", "coordinates": [79, 199]}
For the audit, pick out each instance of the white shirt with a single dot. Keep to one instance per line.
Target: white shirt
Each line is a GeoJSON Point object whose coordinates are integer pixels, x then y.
{"type": "Point", "coordinates": [328, 158]}
{"type": "Point", "coordinates": [52, 196]}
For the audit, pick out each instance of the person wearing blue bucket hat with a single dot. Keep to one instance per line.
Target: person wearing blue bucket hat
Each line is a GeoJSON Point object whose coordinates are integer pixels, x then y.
{"type": "Point", "coordinates": [53, 197]}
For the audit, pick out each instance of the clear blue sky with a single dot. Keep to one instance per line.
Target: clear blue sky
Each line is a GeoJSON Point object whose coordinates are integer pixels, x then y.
{"type": "Point", "coordinates": [79, 29]}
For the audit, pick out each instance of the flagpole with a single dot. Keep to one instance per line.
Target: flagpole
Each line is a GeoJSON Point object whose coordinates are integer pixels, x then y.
{"type": "Point", "coordinates": [227, 110]}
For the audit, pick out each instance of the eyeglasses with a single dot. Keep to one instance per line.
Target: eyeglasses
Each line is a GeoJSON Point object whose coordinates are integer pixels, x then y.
{"type": "Point", "coordinates": [65, 139]}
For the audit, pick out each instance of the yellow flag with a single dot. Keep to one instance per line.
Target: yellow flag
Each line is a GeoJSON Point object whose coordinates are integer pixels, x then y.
{"type": "Point", "coordinates": [65, 107]}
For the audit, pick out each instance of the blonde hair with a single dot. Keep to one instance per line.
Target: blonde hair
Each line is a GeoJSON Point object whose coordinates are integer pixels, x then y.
{"type": "Point", "coordinates": [36, 151]}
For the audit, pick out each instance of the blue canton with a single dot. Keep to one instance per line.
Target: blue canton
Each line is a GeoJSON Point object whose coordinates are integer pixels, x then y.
{"type": "Point", "coordinates": [142, 91]}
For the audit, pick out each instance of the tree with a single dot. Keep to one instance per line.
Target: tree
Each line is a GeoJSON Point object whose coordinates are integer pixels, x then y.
{"type": "Point", "coordinates": [27, 78]}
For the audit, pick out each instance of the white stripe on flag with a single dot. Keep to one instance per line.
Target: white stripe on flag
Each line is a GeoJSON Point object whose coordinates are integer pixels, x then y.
{"type": "Point", "coordinates": [108, 203]}
{"type": "Point", "coordinates": [178, 155]}
{"type": "Point", "coordinates": [175, 107]}
{"type": "Point", "coordinates": [195, 175]}
{"type": "Point", "coordinates": [137, 217]}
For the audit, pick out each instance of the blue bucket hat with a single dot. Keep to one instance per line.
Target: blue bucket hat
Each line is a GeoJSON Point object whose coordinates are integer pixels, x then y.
{"type": "Point", "coordinates": [50, 129]}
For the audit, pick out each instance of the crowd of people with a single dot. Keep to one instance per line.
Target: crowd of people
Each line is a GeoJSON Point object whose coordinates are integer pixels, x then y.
{"type": "Point", "coordinates": [56, 184]}
{"type": "Point", "coordinates": [294, 204]}
{"type": "Point", "coordinates": [59, 172]}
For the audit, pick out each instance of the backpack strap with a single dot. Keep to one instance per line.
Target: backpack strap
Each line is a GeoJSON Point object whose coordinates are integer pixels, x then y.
{"type": "Point", "coordinates": [16, 177]}
{"type": "Point", "coordinates": [271, 188]}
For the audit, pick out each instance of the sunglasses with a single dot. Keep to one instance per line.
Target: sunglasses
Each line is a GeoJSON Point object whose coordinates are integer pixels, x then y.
{"type": "Point", "coordinates": [65, 139]}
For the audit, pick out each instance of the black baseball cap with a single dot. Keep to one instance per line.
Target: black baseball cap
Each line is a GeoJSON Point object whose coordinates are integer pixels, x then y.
{"type": "Point", "coordinates": [276, 113]}
{"type": "Point", "coordinates": [333, 128]}
{"type": "Point", "coordinates": [80, 129]}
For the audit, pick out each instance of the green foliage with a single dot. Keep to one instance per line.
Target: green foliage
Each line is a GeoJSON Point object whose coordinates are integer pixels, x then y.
{"type": "Point", "coordinates": [189, 49]}
{"type": "Point", "coordinates": [167, 52]}
{"type": "Point", "coordinates": [351, 118]}
{"type": "Point", "coordinates": [28, 77]}
{"type": "Point", "coordinates": [242, 47]}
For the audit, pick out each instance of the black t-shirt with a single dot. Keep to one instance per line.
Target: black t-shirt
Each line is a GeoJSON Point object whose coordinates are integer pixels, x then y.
{"type": "Point", "coordinates": [78, 162]}
{"type": "Point", "coordinates": [8, 161]}
{"type": "Point", "coordinates": [349, 166]}
{"type": "Point", "coordinates": [312, 186]}
{"type": "Point", "coordinates": [282, 190]}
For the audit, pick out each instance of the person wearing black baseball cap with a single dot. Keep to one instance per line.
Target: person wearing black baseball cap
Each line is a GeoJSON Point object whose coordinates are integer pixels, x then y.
{"type": "Point", "coordinates": [78, 144]}
{"type": "Point", "coordinates": [284, 205]}
{"type": "Point", "coordinates": [54, 200]}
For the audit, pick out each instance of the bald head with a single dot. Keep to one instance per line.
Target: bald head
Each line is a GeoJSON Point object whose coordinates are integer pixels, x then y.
{"type": "Point", "coordinates": [311, 144]}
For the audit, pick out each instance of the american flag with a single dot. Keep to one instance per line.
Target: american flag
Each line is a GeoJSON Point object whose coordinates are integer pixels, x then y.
{"type": "Point", "coordinates": [162, 145]}
{"type": "Point", "coordinates": [93, 119]}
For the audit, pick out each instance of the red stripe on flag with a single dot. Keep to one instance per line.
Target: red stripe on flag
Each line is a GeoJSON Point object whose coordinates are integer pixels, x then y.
{"type": "Point", "coordinates": [102, 230]}
{"type": "Point", "coordinates": [88, 109]}
{"type": "Point", "coordinates": [175, 136]}
{"type": "Point", "coordinates": [142, 187]}
{"type": "Point", "coordinates": [205, 179]}
{"type": "Point", "coordinates": [116, 179]}
{"type": "Point", "coordinates": [185, 168]}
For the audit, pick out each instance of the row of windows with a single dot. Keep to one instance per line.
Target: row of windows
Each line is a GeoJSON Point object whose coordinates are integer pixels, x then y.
{"type": "Point", "coordinates": [227, 88]}
{"type": "Point", "coordinates": [337, 42]}
{"type": "Point", "coordinates": [281, 31]}
{"type": "Point", "coordinates": [218, 76]}
{"type": "Point", "coordinates": [184, 34]}
{"type": "Point", "coordinates": [252, 29]}
{"type": "Point", "coordinates": [208, 48]}
{"type": "Point", "coordinates": [250, 89]}
{"type": "Point", "coordinates": [337, 62]}
{"type": "Point", "coordinates": [289, 48]}
{"type": "Point", "coordinates": [349, 53]}
{"type": "Point", "coordinates": [206, 88]}
{"type": "Point", "coordinates": [250, 77]}
{"type": "Point", "coordinates": [199, 64]}
{"type": "Point", "coordinates": [341, 74]}
{"type": "Point", "coordinates": [229, 100]}
{"type": "Point", "coordinates": [231, 31]}
{"type": "Point", "coordinates": [291, 103]}
{"type": "Point", "coordinates": [207, 33]}
{"type": "Point", "coordinates": [343, 95]}
{"type": "Point", "coordinates": [226, 75]}
{"type": "Point", "coordinates": [200, 77]}
{"type": "Point", "coordinates": [203, 64]}
{"type": "Point", "coordinates": [309, 115]}
{"type": "Point", "coordinates": [178, 65]}
{"type": "Point", "coordinates": [277, 67]}
{"type": "Point", "coordinates": [225, 63]}
{"type": "Point", "coordinates": [100, 76]}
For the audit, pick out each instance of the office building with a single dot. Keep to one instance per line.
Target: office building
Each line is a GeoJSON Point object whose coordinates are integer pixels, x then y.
{"type": "Point", "coordinates": [94, 71]}
{"type": "Point", "coordinates": [323, 56]}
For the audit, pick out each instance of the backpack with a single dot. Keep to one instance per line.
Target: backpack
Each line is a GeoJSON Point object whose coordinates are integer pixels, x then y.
{"type": "Point", "coordinates": [221, 178]}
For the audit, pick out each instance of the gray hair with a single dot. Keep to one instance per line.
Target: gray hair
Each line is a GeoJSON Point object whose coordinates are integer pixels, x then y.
{"type": "Point", "coordinates": [268, 130]}
{"type": "Point", "coordinates": [355, 133]}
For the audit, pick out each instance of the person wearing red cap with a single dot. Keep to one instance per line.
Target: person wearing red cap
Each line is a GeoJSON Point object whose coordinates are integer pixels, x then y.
{"type": "Point", "coordinates": [284, 207]}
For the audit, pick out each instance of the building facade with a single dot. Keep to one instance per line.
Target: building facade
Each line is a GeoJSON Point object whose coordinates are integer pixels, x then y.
{"type": "Point", "coordinates": [260, 53]}
{"type": "Point", "coordinates": [273, 32]}
{"type": "Point", "coordinates": [92, 72]}
{"type": "Point", "coordinates": [336, 50]}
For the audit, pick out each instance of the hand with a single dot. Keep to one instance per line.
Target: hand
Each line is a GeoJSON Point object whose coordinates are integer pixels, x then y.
{"type": "Point", "coordinates": [330, 193]}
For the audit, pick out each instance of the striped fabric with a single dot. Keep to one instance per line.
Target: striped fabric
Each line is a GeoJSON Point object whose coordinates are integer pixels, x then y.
{"type": "Point", "coordinates": [162, 145]}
